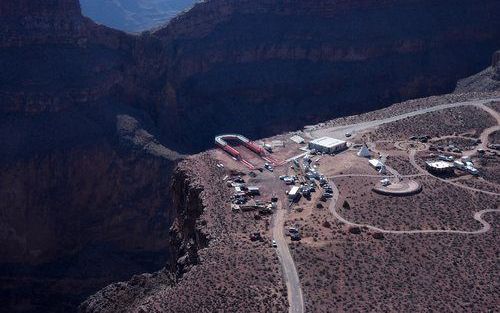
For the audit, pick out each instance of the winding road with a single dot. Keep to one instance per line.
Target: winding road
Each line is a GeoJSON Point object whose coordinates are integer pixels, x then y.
{"type": "Point", "coordinates": [477, 216]}
{"type": "Point", "coordinates": [294, 289]}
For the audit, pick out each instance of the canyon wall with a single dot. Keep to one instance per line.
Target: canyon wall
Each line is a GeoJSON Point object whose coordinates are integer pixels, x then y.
{"type": "Point", "coordinates": [85, 202]}
{"type": "Point", "coordinates": [214, 268]}
{"type": "Point", "coordinates": [263, 66]}
{"type": "Point", "coordinates": [84, 183]}
{"type": "Point", "coordinates": [496, 65]}
{"type": "Point", "coordinates": [488, 80]}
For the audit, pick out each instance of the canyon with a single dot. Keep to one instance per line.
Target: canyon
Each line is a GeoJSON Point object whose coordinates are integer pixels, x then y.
{"type": "Point", "coordinates": [93, 121]}
{"type": "Point", "coordinates": [133, 15]}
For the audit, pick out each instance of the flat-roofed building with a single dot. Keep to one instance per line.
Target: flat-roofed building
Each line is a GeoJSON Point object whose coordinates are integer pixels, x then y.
{"type": "Point", "coordinates": [293, 193]}
{"type": "Point", "coordinates": [440, 167]}
{"type": "Point", "coordinates": [327, 145]}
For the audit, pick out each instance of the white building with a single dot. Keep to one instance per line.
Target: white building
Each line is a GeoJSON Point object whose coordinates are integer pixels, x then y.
{"type": "Point", "coordinates": [293, 193]}
{"type": "Point", "coordinates": [376, 163]}
{"type": "Point", "coordinates": [297, 139]}
{"type": "Point", "coordinates": [253, 190]}
{"type": "Point", "coordinates": [328, 145]}
{"type": "Point", "coordinates": [439, 167]}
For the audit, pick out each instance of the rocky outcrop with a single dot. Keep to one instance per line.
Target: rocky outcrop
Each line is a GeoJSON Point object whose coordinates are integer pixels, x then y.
{"type": "Point", "coordinates": [85, 202]}
{"type": "Point", "coordinates": [266, 66]}
{"type": "Point", "coordinates": [53, 59]}
{"type": "Point", "coordinates": [496, 65]}
{"type": "Point", "coordinates": [186, 238]}
{"type": "Point", "coordinates": [487, 80]}
{"type": "Point", "coordinates": [214, 266]}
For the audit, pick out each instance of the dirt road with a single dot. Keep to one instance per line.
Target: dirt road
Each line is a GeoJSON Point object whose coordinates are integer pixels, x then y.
{"type": "Point", "coordinates": [477, 216]}
{"type": "Point", "coordinates": [294, 288]}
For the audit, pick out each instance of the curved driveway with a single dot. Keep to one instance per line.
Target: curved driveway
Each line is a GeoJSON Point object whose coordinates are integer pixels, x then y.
{"type": "Point", "coordinates": [477, 217]}
{"type": "Point", "coordinates": [341, 130]}
{"type": "Point", "coordinates": [294, 289]}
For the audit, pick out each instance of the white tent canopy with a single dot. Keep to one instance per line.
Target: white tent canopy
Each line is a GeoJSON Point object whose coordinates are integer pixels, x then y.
{"type": "Point", "coordinates": [364, 152]}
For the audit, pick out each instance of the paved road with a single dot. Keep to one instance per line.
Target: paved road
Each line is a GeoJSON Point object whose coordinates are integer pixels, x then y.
{"type": "Point", "coordinates": [340, 131]}
{"type": "Point", "coordinates": [294, 288]}
{"type": "Point", "coordinates": [477, 216]}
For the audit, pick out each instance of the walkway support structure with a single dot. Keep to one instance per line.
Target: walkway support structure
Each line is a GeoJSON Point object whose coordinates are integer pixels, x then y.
{"type": "Point", "coordinates": [221, 142]}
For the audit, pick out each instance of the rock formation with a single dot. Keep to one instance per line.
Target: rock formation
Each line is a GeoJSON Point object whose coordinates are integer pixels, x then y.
{"type": "Point", "coordinates": [267, 65]}
{"type": "Point", "coordinates": [487, 80]}
{"type": "Point", "coordinates": [84, 182]}
{"type": "Point", "coordinates": [496, 65]}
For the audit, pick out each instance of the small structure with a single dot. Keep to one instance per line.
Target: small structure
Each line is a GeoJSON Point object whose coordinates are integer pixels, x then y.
{"type": "Point", "coordinates": [293, 193]}
{"type": "Point", "coordinates": [459, 164]}
{"type": "Point", "coordinates": [465, 158]}
{"type": "Point", "coordinates": [447, 158]}
{"type": "Point", "coordinates": [277, 143]}
{"type": "Point", "coordinates": [376, 163]}
{"type": "Point", "coordinates": [439, 167]}
{"type": "Point", "coordinates": [328, 145]}
{"type": "Point", "coordinates": [268, 147]}
{"type": "Point", "coordinates": [472, 170]}
{"type": "Point", "coordinates": [364, 152]}
{"type": "Point", "coordinates": [253, 190]}
{"type": "Point", "coordinates": [297, 139]}
{"type": "Point", "coordinates": [385, 182]}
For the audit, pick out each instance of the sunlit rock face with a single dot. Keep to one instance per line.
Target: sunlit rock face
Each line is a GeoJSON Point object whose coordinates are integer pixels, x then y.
{"type": "Point", "coordinates": [133, 15]}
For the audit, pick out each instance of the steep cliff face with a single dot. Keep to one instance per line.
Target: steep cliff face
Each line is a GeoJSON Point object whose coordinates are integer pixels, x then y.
{"type": "Point", "coordinates": [52, 58]}
{"type": "Point", "coordinates": [488, 80]}
{"type": "Point", "coordinates": [38, 21]}
{"type": "Point", "coordinates": [496, 65]}
{"type": "Point", "coordinates": [269, 65]}
{"type": "Point", "coordinates": [84, 184]}
{"type": "Point", "coordinates": [213, 267]}
{"type": "Point", "coordinates": [85, 202]}
{"type": "Point", "coordinates": [186, 237]}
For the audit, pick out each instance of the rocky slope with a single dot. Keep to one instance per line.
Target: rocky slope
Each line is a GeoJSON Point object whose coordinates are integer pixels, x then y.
{"type": "Point", "coordinates": [487, 80]}
{"type": "Point", "coordinates": [87, 114]}
{"type": "Point", "coordinates": [216, 268]}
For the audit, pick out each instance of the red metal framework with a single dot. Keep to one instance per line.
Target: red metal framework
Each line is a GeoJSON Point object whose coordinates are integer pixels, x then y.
{"type": "Point", "coordinates": [221, 142]}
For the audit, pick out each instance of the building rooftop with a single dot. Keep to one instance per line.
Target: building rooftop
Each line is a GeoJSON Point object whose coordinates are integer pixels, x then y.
{"type": "Point", "coordinates": [328, 142]}
{"type": "Point", "coordinates": [440, 164]}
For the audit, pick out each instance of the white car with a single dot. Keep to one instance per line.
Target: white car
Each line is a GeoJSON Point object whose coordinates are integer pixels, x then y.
{"type": "Point", "coordinates": [348, 134]}
{"type": "Point", "coordinates": [274, 244]}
